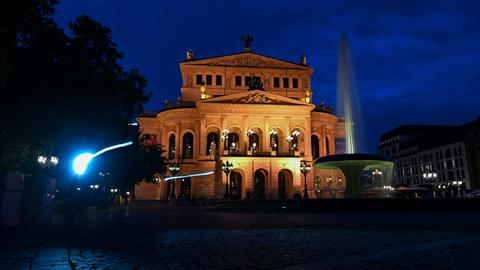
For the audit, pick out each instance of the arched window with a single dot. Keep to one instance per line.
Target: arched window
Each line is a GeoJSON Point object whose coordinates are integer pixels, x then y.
{"type": "Point", "coordinates": [273, 141]}
{"type": "Point", "coordinates": [315, 147]}
{"type": "Point", "coordinates": [233, 141]}
{"type": "Point", "coordinates": [293, 140]}
{"type": "Point", "coordinates": [327, 145]}
{"type": "Point", "coordinates": [188, 145]}
{"type": "Point", "coordinates": [171, 147]}
{"type": "Point", "coordinates": [253, 142]}
{"type": "Point", "coordinates": [213, 140]}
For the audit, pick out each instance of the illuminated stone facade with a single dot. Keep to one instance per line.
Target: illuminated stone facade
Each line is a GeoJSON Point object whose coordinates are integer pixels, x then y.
{"type": "Point", "coordinates": [254, 111]}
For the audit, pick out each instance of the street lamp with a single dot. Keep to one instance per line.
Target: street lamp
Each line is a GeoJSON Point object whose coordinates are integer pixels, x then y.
{"type": "Point", "coordinates": [458, 184]}
{"type": "Point", "coordinates": [429, 177]}
{"type": "Point", "coordinates": [388, 189]}
{"type": "Point", "coordinates": [442, 187]}
{"type": "Point", "coordinates": [227, 167]}
{"type": "Point", "coordinates": [47, 161]}
{"type": "Point", "coordinates": [173, 168]}
{"type": "Point", "coordinates": [305, 168]}
{"type": "Point", "coordinates": [376, 173]}
{"type": "Point", "coordinates": [225, 139]}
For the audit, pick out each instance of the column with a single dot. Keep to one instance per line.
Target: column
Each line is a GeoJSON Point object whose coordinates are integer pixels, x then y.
{"type": "Point", "coordinates": [243, 137]}
{"type": "Point", "coordinates": [308, 139]}
{"type": "Point", "coordinates": [266, 134]}
{"type": "Point", "coordinates": [203, 137]}
{"type": "Point", "coordinates": [196, 140]}
{"type": "Point", "coordinates": [177, 140]}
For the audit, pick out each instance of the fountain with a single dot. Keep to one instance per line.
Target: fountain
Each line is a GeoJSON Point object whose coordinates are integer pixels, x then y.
{"type": "Point", "coordinates": [352, 163]}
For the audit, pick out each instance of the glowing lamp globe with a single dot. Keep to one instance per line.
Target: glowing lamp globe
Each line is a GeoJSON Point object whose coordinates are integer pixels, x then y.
{"type": "Point", "coordinates": [80, 163]}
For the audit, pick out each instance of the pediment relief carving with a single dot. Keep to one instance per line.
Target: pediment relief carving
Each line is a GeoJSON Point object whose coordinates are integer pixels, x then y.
{"type": "Point", "coordinates": [256, 98]}
{"type": "Point", "coordinates": [248, 62]}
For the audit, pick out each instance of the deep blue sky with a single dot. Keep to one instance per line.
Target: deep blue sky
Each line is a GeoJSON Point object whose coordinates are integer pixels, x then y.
{"type": "Point", "coordinates": [416, 62]}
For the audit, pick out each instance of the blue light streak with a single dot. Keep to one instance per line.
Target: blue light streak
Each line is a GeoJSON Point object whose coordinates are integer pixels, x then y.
{"type": "Point", "coordinates": [80, 163]}
{"type": "Point", "coordinates": [188, 175]}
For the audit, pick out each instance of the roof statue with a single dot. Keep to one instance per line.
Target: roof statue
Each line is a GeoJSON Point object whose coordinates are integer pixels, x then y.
{"type": "Point", "coordinates": [303, 60]}
{"type": "Point", "coordinates": [189, 55]}
{"type": "Point", "coordinates": [255, 83]}
{"type": "Point", "coordinates": [247, 40]}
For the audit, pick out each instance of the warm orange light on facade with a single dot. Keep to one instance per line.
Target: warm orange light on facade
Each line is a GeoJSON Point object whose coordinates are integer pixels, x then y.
{"type": "Point", "coordinates": [203, 90]}
{"type": "Point", "coordinates": [232, 120]}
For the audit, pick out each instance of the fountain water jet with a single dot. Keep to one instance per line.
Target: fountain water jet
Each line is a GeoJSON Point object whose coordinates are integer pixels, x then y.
{"type": "Point", "coordinates": [345, 88]}
{"type": "Point", "coordinates": [352, 163]}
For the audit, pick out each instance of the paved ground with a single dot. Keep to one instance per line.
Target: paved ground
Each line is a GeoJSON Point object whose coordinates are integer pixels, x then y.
{"type": "Point", "coordinates": [167, 237]}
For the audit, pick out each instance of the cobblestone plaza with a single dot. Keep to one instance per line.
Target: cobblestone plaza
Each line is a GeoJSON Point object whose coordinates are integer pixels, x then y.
{"type": "Point", "coordinates": [166, 237]}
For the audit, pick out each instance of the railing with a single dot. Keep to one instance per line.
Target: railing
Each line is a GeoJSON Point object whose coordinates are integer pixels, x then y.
{"type": "Point", "coordinates": [234, 153]}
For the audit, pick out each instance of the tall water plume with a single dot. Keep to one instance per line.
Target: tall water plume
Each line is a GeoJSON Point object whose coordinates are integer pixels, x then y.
{"type": "Point", "coordinates": [347, 101]}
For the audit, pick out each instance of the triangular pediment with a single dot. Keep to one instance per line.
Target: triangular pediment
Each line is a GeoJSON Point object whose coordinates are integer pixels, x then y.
{"type": "Point", "coordinates": [247, 60]}
{"type": "Point", "coordinates": [256, 97]}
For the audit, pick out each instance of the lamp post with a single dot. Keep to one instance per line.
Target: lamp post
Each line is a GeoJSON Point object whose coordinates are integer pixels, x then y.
{"type": "Point", "coordinates": [330, 188]}
{"type": "Point", "coordinates": [173, 168]}
{"type": "Point", "coordinates": [430, 178]}
{"type": "Point", "coordinates": [442, 187]}
{"type": "Point", "coordinates": [378, 173]}
{"type": "Point", "coordinates": [227, 167]}
{"type": "Point", "coordinates": [305, 168]}
{"type": "Point", "coordinates": [225, 140]}
{"type": "Point", "coordinates": [458, 184]}
{"type": "Point", "coordinates": [47, 163]}
{"type": "Point", "coordinates": [388, 189]}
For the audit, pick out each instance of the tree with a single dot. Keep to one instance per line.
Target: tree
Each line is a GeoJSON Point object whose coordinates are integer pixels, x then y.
{"type": "Point", "coordinates": [61, 93]}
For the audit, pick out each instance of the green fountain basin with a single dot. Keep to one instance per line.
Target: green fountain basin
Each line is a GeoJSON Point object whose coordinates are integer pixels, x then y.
{"type": "Point", "coordinates": [352, 166]}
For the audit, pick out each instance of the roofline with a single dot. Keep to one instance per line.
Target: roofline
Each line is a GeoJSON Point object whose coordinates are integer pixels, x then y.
{"type": "Point", "coordinates": [233, 54]}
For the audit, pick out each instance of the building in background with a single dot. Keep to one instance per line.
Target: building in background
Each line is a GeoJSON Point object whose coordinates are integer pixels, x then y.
{"type": "Point", "coordinates": [438, 155]}
{"type": "Point", "coordinates": [253, 111]}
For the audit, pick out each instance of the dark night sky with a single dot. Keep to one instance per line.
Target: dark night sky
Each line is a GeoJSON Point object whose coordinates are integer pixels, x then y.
{"type": "Point", "coordinates": [416, 62]}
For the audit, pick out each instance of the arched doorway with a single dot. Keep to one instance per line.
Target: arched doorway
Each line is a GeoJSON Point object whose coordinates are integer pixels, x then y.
{"type": "Point", "coordinates": [259, 184]}
{"type": "Point", "coordinates": [168, 189]}
{"type": "Point", "coordinates": [285, 184]}
{"type": "Point", "coordinates": [185, 188]}
{"type": "Point", "coordinates": [236, 185]}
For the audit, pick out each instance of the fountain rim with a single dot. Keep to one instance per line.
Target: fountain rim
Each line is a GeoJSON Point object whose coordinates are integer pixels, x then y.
{"type": "Point", "coordinates": [353, 157]}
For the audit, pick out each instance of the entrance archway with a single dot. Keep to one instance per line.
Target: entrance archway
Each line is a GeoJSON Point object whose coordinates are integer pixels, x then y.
{"type": "Point", "coordinates": [259, 182]}
{"type": "Point", "coordinates": [185, 188]}
{"type": "Point", "coordinates": [285, 184]}
{"type": "Point", "coordinates": [236, 185]}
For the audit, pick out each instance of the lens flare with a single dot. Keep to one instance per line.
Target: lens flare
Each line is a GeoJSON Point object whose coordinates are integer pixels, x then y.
{"type": "Point", "coordinates": [80, 163]}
